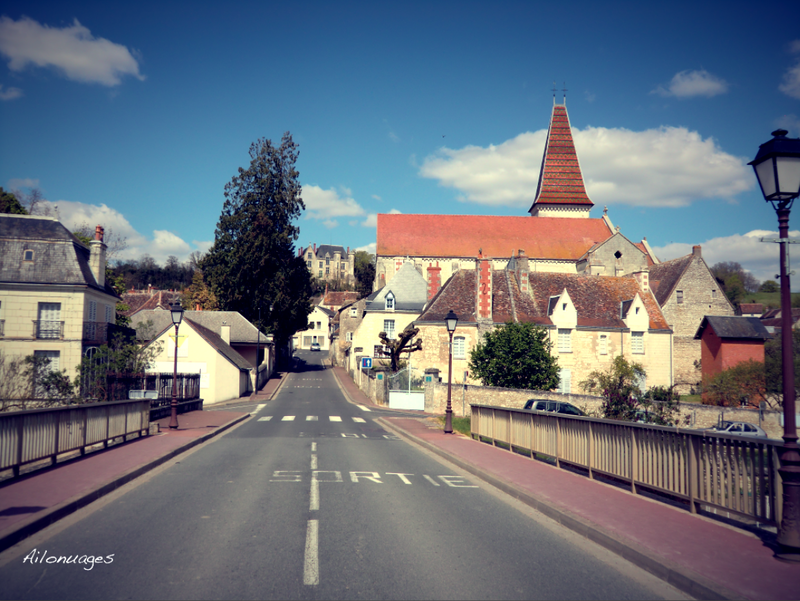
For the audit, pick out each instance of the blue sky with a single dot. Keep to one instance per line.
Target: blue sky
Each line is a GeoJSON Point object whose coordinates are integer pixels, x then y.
{"type": "Point", "coordinates": [136, 115]}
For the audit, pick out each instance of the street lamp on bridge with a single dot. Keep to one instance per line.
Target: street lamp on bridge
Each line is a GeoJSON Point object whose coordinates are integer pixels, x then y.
{"type": "Point", "coordinates": [451, 320]}
{"type": "Point", "coordinates": [176, 311]}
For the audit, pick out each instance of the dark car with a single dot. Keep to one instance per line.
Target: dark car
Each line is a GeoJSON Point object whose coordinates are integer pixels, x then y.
{"type": "Point", "coordinates": [553, 406]}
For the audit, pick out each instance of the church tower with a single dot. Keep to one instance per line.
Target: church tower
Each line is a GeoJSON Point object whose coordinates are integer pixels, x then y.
{"type": "Point", "coordinates": [560, 192]}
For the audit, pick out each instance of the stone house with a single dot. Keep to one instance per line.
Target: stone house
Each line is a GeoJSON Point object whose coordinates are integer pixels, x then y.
{"type": "Point", "coordinates": [224, 373]}
{"type": "Point", "coordinates": [589, 319]}
{"type": "Point", "coordinates": [389, 309]}
{"type": "Point", "coordinates": [687, 291]}
{"type": "Point", "coordinates": [54, 298]}
{"type": "Point", "coordinates": [345, 324]}
{"type": "Point", "coordinates": [727, 341]}
{"type": "Point", "coordinates": [320, 321]}
{"type": "Point", "coordinates": [330, 263]}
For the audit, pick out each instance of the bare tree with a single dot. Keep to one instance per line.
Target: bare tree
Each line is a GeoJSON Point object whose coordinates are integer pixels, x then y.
{"type": "Point", "coordinates": [115, 243]}
{"type": "Point", "coordinates": [401, 345]}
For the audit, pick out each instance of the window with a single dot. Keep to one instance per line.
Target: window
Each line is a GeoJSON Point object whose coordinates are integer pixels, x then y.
{"type": "Point", "coordinates": [389, 301]}
{"type": "Point", "coordinates": [564, 381]}
{"type": "Point", "coordinates": [320, 274]}
{"type": "Point", "coordinates": [27, 255]}
{"type": "Point", "coordinates": [49, 324]}
{"type": "Point", "coordinates": [637, 343]}
{"type": "Point", "coordinates": [306, 340]}
{"type": "Point", "coordinates": [379, 351]}
{"type": "Point", "coordinates": [388, 327]}
{"type": "Point", "coordinates": [320, 264]}
{"type": "Point", "coordinates": [327, 262]}
{"type": "Point", "coordinates": [679, 296]}
{"type": "Point", "coordinates": [564, 340]}
{"type": "Point", "coordinates": [603, 344]}
{"type": "Point", "coordinates": [349, 337]}
{"type": "Point", "coordinates": [53, 358]}
{"type": "Point", "coordinates": [327, 271]}
{"type": "Point", "coordinates": [459, 347]}
{"type": "Point", "coordinates": [109, 314]}
{"type": "Point", "coordinates": [319, 325]}
{"type": "Point", "coordinates": [713, 293]}
{"type": "Point", "coordinates": [90, 327]}
{"type": "Point", "coordinates": [309, 264]}
{"type": "Point", "coordinates": [353, 312]}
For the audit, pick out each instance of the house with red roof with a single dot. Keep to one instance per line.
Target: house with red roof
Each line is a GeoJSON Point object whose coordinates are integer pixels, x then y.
{"type": "Point", "coordinates": [590, 319]}
{"type": "Point", "coordinates": [687, 292]}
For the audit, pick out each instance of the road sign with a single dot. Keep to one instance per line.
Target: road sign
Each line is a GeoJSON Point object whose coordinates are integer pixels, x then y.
{"type": "Point", "coordinates": [366, 362]}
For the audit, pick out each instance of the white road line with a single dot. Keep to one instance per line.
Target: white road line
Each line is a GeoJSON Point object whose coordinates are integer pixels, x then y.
{"type": "Point", "coordinates": [311, 567]}
{"type": "Point", "coordinates": [266, 418]}
{"type": "Point", "coordinates": [363, 408]}
{"type": "Point", "coordinates": [313, 447]}
{"type": "Point", "coordinates": [360, 420]}
{"type": "Point", "coordinates": [335, 418]}
{"type": "Point", "coordinates": [314, 462]}
{"type": "Point", "coordinates": [311, 418]}
{"type": "Point", "coordinates": [260, 407]}
{"type": "Point", "coordinates": [287, 418]}
{"type": "Point", "coordinates": [313, 504]}
{"type": "Point", "coordinates": [431, 480]}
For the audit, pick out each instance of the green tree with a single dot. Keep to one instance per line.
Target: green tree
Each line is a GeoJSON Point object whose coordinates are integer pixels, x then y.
{"type": "Point", "coordinates": [10, 204]}
{"type": "Point", "coordinates": [620, 387]}
{"type": "Point", "coordinates": [769, 286]}
{"type": "Point", "coordinates": [515, 355]}
{"type": "Point", "coordinates": [401, 344]}
{"type": "Point", "coordinates": [252, 265]}
{"type": "Point", "coordinates": [743, 384]}
{"type": "Point", "coordinates": [199, 295]}
{"type": "Point", "coordinates": [659, 406]}
{"type": "Point", "coordinates": [364, 269]}
{"type": "Point", "coordinates": [734, 280]}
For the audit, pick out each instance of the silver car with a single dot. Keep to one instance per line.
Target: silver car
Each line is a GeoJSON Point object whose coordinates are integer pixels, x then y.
{"type": "Point", "coordinates": [738, 428]}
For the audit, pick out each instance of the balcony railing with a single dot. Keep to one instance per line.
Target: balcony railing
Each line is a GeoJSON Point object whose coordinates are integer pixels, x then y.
{"type": "Point", "coordinates": [53, 330]}
{"type": "Point", "coordinates": [100, 332]}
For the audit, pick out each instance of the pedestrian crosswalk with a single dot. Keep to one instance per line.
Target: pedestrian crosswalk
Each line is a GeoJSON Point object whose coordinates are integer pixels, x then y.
{"type": "Point", "coordinates": [310, 418]}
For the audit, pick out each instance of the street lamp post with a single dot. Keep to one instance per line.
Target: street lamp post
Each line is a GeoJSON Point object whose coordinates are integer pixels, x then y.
{"type": "Point", "coordinates": [777, 167]}
{"type": "Point", "coordinates": [451, 321]}
{"type": "Point", "coordinates": [177, 315]}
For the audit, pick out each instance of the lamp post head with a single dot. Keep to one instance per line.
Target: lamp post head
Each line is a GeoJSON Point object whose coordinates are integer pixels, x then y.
{"type": "Point", "coordinates": [451, 320]}
{"type": "Point", "coordinates": [777, 167]}
{"type": "Point", "coordinates": [176, 311]}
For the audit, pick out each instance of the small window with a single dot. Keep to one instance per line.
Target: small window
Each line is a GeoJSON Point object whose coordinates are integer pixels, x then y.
{"type": "Point", "coordinates": [379, 351]}
{"type": "Point", "coordinates": [618, 254]}
{"type": "Point", "coordinates": [564, 340]}
{"type": "Point", "coordinates": [353, 312]}
{"type": "Point", "coordinates": [388, 327]}
{"type": "Point", "coordinates": [713, 293]}
{"type": "Point", "coordinates": [28, 255]}
{"type": "Point", "coordinates": [319, 325]}
{"type": "Point", "coordinates": [565, 381]}
{"type": "Point", "coordinates": [327, 262]}
{"type": "Point", "coordinates": [320, 264]}
{"type": "Point", "coordinates": [459, 347]}
{"type": "Point", "coordinates": [637, 343]}
{"type": "Point", "coordinates": [679, 297]}
{"type": "Point", "coordinates": [389, 301]}
{"type": "Point", "coordinates": [349, 337]}
{"type": "Point", "coordinates": [603, 344]}
{"type": "Point", "coordinates": [320, 273]}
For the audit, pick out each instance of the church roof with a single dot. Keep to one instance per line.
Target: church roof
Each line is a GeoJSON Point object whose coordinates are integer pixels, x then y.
{"type": "Point", "coordinates": [560, 179]}
{"type": "Point", "coordinates": [464, 235]}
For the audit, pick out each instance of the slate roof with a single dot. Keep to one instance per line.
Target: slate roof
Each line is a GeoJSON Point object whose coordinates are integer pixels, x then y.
{"type": "Point", "coordinates": [242, 331]}
{"type": "Point", "coordinates": [665, 276]}
{"type": "Point", "coordinates": [329, 249]}
{"type": "Point", "coordinates": [597, 299]}
{"type": "Point", "coordinates": [214, 340]}
{"type": "Point", "coordinates": [560, 178]}
{"type": "Point", "coordinates": [409, 288]}
{"type": "Point", "coordinates": [59, 257]}
{"type": "Point", "coordinates": [734, 327]}
{"type": "Point", "coordinates": [497, 236]}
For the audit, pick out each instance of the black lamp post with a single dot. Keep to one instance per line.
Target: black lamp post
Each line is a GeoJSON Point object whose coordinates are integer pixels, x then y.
{"type": "Point", "coordinates": [177, 315]}
{"type": "Point", "coordinates": [777, 167]}
{"type": "Point", "coordinates": [451, 321]}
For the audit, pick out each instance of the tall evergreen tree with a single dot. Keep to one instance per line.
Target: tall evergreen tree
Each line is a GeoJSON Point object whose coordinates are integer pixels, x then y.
{"type": "Point", "coordinates": [252, 266]}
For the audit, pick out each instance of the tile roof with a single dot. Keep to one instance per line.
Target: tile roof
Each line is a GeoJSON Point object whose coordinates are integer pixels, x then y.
{"type": "Point", "coordinates": [59, 257]}
{"type": "Point", "coordinates": [664, 277]}
{"type": "Point", "coordinates": [147, 301]}
{"type": "Point", "coordinates": [338, 299]}
{"type": "Point", "coordinates": [752, 308]}
{"type": "Point", "coordinates": [464, 235]}
{"type": "Point", "coordinates": [560, 178]}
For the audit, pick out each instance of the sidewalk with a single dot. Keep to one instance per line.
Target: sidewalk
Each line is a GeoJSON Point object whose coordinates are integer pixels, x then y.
{"type": "Point", "coordinates": [698, 555]}
{"type": "Point", "coordinates": [34, 501]}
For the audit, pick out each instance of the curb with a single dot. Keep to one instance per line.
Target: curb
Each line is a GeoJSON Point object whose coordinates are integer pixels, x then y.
{"type": "Point", "coordinates": [677, 576]}
{"type": "Point", "coordinates": [53, 514]}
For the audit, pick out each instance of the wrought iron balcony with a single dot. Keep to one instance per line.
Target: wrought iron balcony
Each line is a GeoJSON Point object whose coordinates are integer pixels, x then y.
{"type": "Point", "coordinates": [52, 330]}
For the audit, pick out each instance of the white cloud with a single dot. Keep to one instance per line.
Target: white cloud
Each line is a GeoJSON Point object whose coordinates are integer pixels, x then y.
{"type": "Point", "coordinates": [10, 93]}
{"type": "Point", "coordinates": [27, 182]}
{"type": "Point", "coordinates": [666, 167]}
{"type": "Point", "coordinates": [376, 197]}
{"type": "Point", "coordinates": [325, 205]}
{"type": "Point", "coordinates": [371, 248]}
{"type": "Point", "coordinates": [372, 218]}
{"type": "Point", "coordinates": [759, 258]}
{"type": "Point", "coordinates": [687, 84]}
{"type": "Point", "coordinates": [72, 50]}
{"type": "Point", "coordinates": [791, 79]}
{"type": "Point", "coordinates": [160, 245]}
{"type": "Point", "coordinates": [789, 122]}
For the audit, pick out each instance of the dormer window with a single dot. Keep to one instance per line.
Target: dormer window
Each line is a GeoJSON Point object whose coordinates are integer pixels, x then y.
{"type": "Point", "coordinates": [27, 255]}
{"type": "Point", "coordinates": [390, 301]}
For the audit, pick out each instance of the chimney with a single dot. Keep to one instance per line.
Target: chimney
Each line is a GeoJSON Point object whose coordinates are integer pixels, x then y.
{"type": "Point", "coordinates": [348, 250]}
{"type": "Point", "coordinates": [97, 257]}
{"type": "Point", "coordinates": [225, 333]}
{"type": "Point", "coordinates": [483, 297]}
{"type": "Point", "coordinates": [523, 271]}
{"type": "Point", "coordinates": [643, 278]}
{"type": "Point", "coordinates": [434, 279]}
{"type": "Point", "coordinates": [315, 248]}
{"type": "Point", "coordinates": [697, 252]}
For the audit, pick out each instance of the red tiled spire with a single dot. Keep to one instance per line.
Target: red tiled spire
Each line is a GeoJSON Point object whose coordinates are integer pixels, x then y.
{"type": "Point", "coordinates": [560, 180]}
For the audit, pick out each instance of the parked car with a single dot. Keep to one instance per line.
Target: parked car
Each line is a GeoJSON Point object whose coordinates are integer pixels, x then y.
{"type": "Point", "coordinates": [739, 428]}
{"type": "Point", "coordinates": [315, 346]}
{"type": "Point", "coordinates": [552, 406]}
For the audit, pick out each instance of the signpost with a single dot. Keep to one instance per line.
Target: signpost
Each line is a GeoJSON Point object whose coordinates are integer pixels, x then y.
{"type": "Point", "coordinates": [366, 363]}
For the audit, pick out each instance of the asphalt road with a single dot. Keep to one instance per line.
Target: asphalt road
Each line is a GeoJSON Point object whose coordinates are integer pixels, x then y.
{"type": "Point", "coordinates": [311, 499]}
